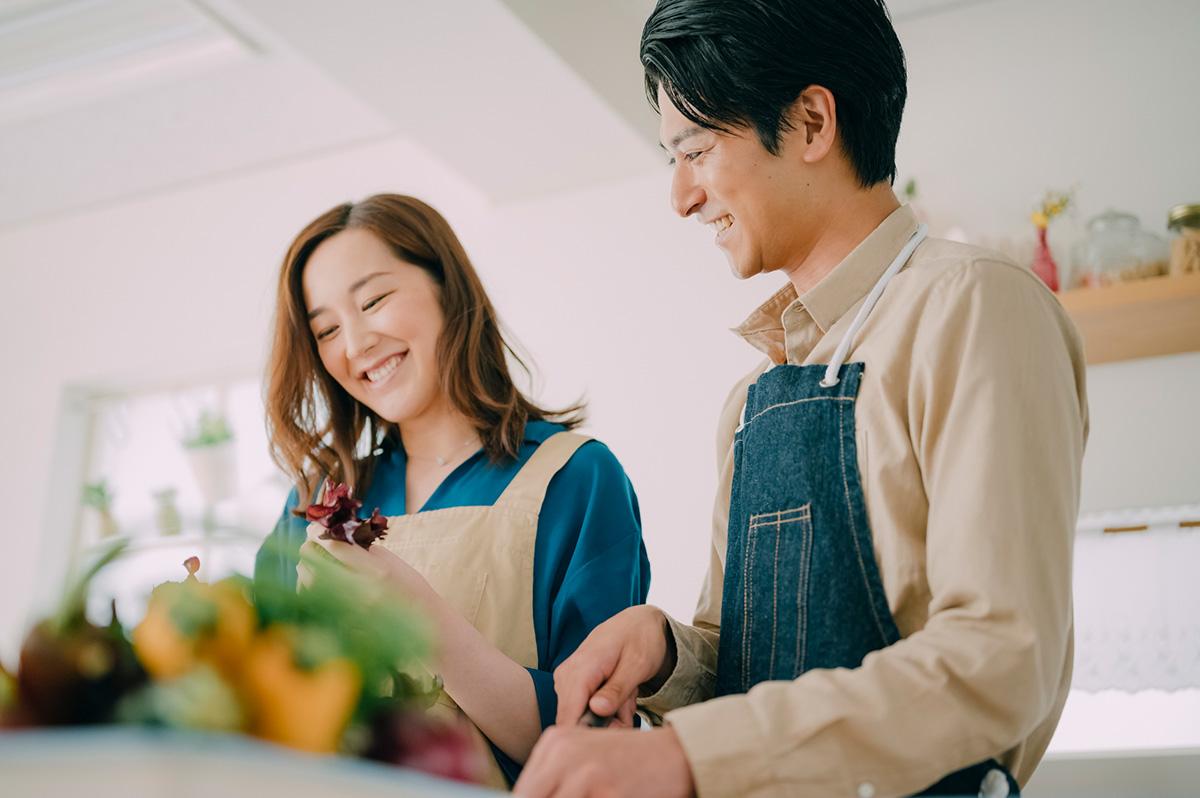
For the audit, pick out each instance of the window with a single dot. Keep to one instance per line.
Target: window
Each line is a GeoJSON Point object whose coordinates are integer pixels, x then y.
{"type": "Point", "coordinates": [176, 472]}
{"type": "Point", "coordinates": [1136, 683]}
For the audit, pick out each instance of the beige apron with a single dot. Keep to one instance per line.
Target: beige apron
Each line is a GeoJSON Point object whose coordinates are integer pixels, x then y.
{"type": "Point", "coordinates": [480, 559]}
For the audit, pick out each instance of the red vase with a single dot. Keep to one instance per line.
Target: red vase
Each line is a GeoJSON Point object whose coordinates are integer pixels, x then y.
{"type": "Point", "coordinates": [1043, 262]}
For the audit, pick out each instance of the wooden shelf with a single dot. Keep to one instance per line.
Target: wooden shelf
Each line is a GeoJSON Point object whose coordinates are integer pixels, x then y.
{"type": "Point", "coordinates": [1145, 318]}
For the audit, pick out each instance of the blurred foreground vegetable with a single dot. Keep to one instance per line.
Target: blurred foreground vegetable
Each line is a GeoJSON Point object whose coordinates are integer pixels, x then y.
{"type": "Point", "coordinates": [71, 671]}
{"type": "Point", "coordinates": [324, 670]}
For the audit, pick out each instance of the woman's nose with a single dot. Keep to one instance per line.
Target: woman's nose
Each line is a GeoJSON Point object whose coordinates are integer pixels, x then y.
{"type": "Point", "coordinates": [360, 339]}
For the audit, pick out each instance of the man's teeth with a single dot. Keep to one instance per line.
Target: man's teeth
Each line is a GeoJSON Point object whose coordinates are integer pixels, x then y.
{"type": "Point", "coordinates": [722, 224]}
{"type": "Point", "coordinates": [375, 375]}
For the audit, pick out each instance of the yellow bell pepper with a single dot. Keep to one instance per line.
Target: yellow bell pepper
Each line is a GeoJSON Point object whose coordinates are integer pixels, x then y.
{"type": "Point", "coordinates": [157, 642]}
{"type": "Point", "coordinates": [226, 647]}
{"type": "Point", "coordinates": [303, 709]}
{"type": "Point", "coordinates": [166, 652]}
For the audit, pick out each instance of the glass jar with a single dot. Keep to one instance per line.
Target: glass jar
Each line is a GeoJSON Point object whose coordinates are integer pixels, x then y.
{"type": "Point", "coordinates": [1114, 250]}
{"type": "Point", "coordinates": [1183, 222]}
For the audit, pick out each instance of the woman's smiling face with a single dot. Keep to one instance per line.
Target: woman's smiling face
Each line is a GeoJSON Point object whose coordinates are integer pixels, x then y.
{"type": "Point", "coordinates": [376, 320]}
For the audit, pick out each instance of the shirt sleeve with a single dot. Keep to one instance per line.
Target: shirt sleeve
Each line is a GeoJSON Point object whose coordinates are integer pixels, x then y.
{"type": "Point", "coordinates": [998, 424]}
{"type": "Point", "coordinates": [694, 677]}
{"type": "Point", "coordinates": [278, 555]}
{"type": "Point", "coordinates": [592, 562]}
{"type": "Point", "coordinates": [589, 564]}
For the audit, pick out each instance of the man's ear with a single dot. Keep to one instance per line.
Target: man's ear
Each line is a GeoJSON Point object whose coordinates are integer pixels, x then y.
{"type": "Point", "coordinates": [814, 116]}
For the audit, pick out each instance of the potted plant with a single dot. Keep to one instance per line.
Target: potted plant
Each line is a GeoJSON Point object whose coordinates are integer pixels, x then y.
{"type": "Point", "coordinates": [209, 446]}
{"type": "Point", "coordinates": [97, 496]}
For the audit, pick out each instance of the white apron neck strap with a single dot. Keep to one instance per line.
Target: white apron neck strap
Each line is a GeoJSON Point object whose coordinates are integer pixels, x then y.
{"type": "Point", "coordinates": [839, 355]}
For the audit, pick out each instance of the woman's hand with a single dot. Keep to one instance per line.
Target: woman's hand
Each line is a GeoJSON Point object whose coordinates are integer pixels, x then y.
{"type": "Point", "coordinates": [495, 692]}
{"type": "Point", "coordinates": [376, 563]}
{"type": "Point", "coordinates": [310, 550]}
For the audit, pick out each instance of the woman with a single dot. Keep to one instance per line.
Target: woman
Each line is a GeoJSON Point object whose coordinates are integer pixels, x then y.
{"type": "Point", "coordinates": [516, 536]}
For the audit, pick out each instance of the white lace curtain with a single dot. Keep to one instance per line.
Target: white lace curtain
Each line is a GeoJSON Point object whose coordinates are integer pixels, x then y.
{"type": "Point", "coordinates": [1137, 600]}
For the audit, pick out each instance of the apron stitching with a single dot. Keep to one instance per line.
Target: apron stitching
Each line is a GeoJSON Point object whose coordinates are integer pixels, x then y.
{"type": "Point", "coordinates": [781, 516]}
{"type": "Point", "coordinates": [777, 517]}
{"type": "Point", "coordinates": [801, 604]}
{"type": "Point", "coordinates": [853, 529]}
{"type": "Point", "coordinates": [798, 401]}
{"type": "Point", "coordinates": [775, 600]}
{"type": "Point", "coordinates": [746, 609]}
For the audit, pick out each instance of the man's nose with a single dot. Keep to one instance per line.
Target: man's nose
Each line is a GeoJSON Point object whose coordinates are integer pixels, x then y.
{"type": "Point", "coordinates": [686, 194]}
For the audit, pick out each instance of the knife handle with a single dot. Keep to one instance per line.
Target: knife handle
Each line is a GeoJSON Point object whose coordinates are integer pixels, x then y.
{"type": "Point", "coordinates": [592, 720]}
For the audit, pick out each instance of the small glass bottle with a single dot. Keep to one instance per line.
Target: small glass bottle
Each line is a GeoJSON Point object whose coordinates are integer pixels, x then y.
{"type": "Point", "coordinates": [1183, 222]}
{"type": "Point", "coordinates": [167, 519]}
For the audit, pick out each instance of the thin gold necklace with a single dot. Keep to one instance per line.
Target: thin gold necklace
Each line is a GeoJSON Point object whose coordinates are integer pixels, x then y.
{"type": "Point", "coordinates": [444, 459]}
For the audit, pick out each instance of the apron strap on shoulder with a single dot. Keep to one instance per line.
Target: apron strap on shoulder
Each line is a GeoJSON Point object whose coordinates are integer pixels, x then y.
{"type": "Point", "coordinates": [528, 487]}
{"type": "Point", "coordinates": [839, 356]}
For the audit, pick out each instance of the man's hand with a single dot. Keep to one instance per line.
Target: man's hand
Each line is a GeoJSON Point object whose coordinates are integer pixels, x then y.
{"type": "Point", "coordinates": [631, 648]}
{"type": "Point", "coordinates": [577, 763]}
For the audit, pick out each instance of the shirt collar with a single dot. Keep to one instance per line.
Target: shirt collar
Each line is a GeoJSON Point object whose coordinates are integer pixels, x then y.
{"type": "Point", "coordinates": [837, 292]}
{"type": "Point", "coordinates": [539, 431]}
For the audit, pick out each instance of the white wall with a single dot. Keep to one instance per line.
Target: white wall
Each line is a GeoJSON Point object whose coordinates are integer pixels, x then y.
{"type": "Point", "coordinates": [177, 284]}
{"type": "Point", "coordinates": [1010, 98]}
{"type": "Point", "coordinates": [1013, 97]}
{"type": "Point", "coordinates": [612, 295]}
{"type": "Point", "coordinates": [614, 298]}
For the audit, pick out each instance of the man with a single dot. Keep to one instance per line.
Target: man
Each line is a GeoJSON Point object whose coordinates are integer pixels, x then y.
{"type": "Point", "coordinates": [891, 561]}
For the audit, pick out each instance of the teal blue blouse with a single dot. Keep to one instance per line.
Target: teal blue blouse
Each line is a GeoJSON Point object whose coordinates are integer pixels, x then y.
{"type": "Point", "coordinates": [589, 560]}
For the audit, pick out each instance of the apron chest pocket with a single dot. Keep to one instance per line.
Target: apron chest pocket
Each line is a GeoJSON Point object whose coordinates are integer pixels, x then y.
{"type": "Point", "coordinates": [775, 594]}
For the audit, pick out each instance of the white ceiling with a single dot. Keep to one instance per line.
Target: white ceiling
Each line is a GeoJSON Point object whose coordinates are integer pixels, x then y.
{"type": "Point", "coordinates": [522, 98]}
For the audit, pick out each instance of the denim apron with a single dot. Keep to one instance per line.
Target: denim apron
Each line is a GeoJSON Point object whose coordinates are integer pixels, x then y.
{"type": "Point", "coordinates": [802, 588]}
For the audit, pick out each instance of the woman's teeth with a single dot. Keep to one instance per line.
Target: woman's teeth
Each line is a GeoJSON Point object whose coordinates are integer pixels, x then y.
{"type": "Point", "coordinates": [375, 375]}
{"type": "Point", "coordinates": [722, 224]}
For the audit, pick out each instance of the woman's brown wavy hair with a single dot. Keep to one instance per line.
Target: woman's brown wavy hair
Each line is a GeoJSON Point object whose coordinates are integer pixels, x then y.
{"type": "Point", "coordinates": [316, 429]}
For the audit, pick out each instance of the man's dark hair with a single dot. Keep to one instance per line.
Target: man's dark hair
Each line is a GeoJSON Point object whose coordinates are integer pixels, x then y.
{"type": "Point", "coordinates": [729, 64]}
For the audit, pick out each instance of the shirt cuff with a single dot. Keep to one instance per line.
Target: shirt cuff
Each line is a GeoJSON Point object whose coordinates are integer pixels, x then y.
{"type": "Point", "coordinates": [547, 698]}
{"type": "Point", "coordinates": [733, 753]}
{"type": "Point", "coordinates": [692, 680]}
{"type": "Point", "coordinates": [724, 749]}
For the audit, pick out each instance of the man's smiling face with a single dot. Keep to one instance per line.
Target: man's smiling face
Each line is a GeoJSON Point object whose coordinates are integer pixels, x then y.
{"type": "Point", "coordinates": [754, 201]}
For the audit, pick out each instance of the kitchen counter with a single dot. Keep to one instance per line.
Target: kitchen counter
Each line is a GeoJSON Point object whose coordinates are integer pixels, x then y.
{"type": "Point", "coordinates": [134, 762]}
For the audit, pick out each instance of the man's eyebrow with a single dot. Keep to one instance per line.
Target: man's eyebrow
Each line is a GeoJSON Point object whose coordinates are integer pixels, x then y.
{"type": "Point", "coordinates": [312, 314]}
{"type": "Point", "coordinates": [681, 136]}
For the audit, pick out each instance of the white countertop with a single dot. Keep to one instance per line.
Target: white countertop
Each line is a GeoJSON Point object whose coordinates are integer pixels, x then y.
{"type": "Point", "coordinates": [135, 762]}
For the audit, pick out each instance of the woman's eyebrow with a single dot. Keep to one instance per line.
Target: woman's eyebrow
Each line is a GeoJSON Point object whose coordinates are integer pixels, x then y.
{"type": "Point", "coordinates": [312, 314]}
{"type": "Point", "coordinates": [360, 283]}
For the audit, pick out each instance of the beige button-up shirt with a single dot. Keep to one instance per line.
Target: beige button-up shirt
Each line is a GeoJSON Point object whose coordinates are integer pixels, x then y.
{"type": "Point", "coordinates": [971, 422]}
